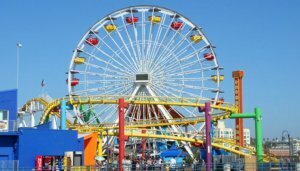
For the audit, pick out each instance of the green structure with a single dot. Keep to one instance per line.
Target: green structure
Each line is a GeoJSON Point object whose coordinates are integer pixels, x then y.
{"type": "Point", "coordinates": [257, 116]}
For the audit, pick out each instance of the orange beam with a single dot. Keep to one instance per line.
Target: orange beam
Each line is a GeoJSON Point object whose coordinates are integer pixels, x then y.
{"type": "Point", "coordinates": [90, 148]}
{"type": "Point", "coordinates": [238, 96]}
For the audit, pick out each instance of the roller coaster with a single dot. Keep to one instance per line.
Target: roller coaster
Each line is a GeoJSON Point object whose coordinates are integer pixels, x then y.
{"type": "Point", "coordinates": [165, 69]}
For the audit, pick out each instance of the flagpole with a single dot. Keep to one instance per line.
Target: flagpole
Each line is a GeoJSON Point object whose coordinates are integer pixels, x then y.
{"type": "Point", "coordinates": [18, 55]}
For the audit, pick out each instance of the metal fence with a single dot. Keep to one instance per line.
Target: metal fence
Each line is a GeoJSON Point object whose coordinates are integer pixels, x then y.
{"type": "Point", "coordinates": [8, 165]}
{"type": "Point", "coordinates": [168, 167]}
{"type": "Point", "coordinates": [8, 126]}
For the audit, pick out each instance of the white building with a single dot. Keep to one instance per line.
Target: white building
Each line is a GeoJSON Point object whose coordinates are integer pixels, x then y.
{"type": "Point", "coordinates": [228, 133]}
{"type": "Point", "coordinates": [296, 146]}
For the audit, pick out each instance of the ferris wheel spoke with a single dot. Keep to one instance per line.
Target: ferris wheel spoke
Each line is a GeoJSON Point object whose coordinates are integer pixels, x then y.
{"type": "Point", "coordinates": [157, 37]}
{"type": "Point", "coordinates": [186, 79]}
{"type": "Point", "coordinates": [109, 116]}
{"type": "Point", "coordinates": [194, 71]}
{"type": "Point", "coordinates": [195, 87]}
{"type": "Point", "coordinates": [109, 56]}
{"type": "Point", "coordinates": [164, 92]}
{"type": "Point", "coordinates": [132, 66]}
{"type": "Point", "coordinates": [137, 43]}
{"type": "Point", "coordinates": [170, 42]}
{"type": "Point", "coordinates": [174, 67]}
{"type": "Point", "coordinates": [101, 75]}
{"type": "Point", "coordinates": [168, 59]}
{"type": "Point", "coordinates": [107, 63]}
{"type": "Point", "coordinates": [117, 88]}
{"type": "Point", "coordinates": [162, 56]}
{"type": "Point", "coordinates": [134, 61]}
{"type": "Point", "coordinates": [190, 55]}
{"type": "Point", "coordinates": [79, 92]}
{"type": "Point", "coordinates": [149, 44]}
{"type": "Point", "coordinates": [105, 69]}
{"type": "Point", "coordinates": [164, 38]}
{"type": "Point", "coordinates": [143, 40]}
{"type": "Point", "coordinates": [102, 82]}
{"type": "Point", "coordinates": [130, 40]}
{"type": "Point", "coordinates": [176, 90]}
{"type": "Point", "coordinates": [184, 85]}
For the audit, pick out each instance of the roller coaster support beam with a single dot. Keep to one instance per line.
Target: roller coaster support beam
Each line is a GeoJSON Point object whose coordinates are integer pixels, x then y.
{"type": "Point", "coordinates": [257, 115]}
{"type": "Point", "coordinates": [207, 135]}
{"type": "Point", "coordinates": [122, 106]}
{"type": "Point", "coordinates": [143, 145]}
{"type": "Point", "coordinates": [63, 119]}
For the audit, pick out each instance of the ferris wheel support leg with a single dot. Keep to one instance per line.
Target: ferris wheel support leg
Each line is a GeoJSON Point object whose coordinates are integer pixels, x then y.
{"type": "Point", "coordinates": [168, 116]}
{"type": "Point", "coordinates": [32, 120]}
{"type": "Point", "coordinates": [54, 122]}
{"type": "Point", "coordinates": [109, 140]}
{"type": "Point", "coordinates": [21, 120]}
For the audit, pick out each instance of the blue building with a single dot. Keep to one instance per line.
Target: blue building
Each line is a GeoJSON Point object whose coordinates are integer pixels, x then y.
{"type": "Point", "coordinates": [20, 147]}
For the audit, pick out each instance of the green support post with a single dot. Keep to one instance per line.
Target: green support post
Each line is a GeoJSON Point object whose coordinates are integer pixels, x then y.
{"type": "Point", "coordinates": [257, 116]}
{"type": "Point", "coordinates": [259, 137]}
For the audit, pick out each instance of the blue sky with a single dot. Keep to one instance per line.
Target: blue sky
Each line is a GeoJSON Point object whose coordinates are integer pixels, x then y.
{"type": "Point", "coordinates": [260, 37]}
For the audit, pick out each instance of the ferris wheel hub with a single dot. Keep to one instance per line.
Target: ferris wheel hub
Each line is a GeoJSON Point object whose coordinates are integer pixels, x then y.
{"type": "Point", "coordinates": [142, 78]}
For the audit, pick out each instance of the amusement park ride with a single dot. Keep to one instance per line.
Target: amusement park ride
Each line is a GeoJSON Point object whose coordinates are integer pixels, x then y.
{"type": "Point", "coordinates": [159, 70]}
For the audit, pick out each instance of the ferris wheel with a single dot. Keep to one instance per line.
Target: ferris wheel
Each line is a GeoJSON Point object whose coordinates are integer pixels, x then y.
{"type": "Point", "coordinates": [143, 51]}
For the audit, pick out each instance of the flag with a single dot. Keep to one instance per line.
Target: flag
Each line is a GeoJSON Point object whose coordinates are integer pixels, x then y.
{"type": "Point", "coordinates": [19, 45]}
{"type": "Point", "coordinates": [43, 83]}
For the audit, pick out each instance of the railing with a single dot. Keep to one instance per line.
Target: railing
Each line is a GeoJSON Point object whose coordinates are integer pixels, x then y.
{"type": "Point", "coordinates": [9, 165]}
{"type": "Point", "coordinates": [228, 166]}
{"type": "Point", "coordinates": [8, 126]}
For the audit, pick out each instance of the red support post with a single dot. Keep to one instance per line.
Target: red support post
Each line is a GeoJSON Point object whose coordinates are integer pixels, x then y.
{"type": "Point", "coordinates": [122, 106]}
{"type": "Point", "coordinates": [143, 145]}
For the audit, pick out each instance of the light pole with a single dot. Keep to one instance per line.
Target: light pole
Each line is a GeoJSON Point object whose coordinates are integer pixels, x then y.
{"type": "Point", "coordinates": [19, 45]}
{"type": "Point", "coordinates": [285, 132]}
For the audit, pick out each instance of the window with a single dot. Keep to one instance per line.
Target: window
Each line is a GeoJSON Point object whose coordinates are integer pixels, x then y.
{"type": "Point", "coordinates": [3, 120]}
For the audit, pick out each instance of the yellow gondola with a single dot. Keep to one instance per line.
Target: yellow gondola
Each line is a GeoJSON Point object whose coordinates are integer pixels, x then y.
{"type": "Point", "coordinates": [110, 27]}
{"type": "Point", "coordinates": [154, 19]}
{"type": "Point", "coordinates": [196, 38]}
{"type": "Point", "coordinates": [215, 78]}
{"type": "Point", "coordinates": [79, 60]}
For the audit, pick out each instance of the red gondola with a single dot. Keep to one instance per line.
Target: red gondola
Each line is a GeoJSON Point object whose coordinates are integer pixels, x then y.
{"type": "Point", "coordinates": [74, 81]}
{"type": "Point", "coordinates": [220, 101]}
{"type": "Point", "coordinates": [209, 56]}
{"type": "Point", "coordinates": [93, 41]}
{"type": "Point", "coordinates": [131, 20]}
{"type": "Point", "coordinates": [176, 25]}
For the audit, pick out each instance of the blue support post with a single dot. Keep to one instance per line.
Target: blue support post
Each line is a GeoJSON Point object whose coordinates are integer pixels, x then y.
{"type": "Point", "coordinates": [63, 108]}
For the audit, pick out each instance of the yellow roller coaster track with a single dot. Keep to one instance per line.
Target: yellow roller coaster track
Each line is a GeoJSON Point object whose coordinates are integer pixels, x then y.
{"type": "Point", "coordinates": [226, 108]}
{"type": "Point", "coordinates": [45, 104]}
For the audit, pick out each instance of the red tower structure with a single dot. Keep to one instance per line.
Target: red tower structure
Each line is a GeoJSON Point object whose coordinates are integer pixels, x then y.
{"type": "Point", "coordinates": [122, 106]}
{"type": "Point", "coordinates": [238, 98]}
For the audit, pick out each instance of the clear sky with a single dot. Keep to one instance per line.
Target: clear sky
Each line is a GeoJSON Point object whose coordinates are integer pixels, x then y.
{"type": "Point", "coordinates": [260, 37]}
